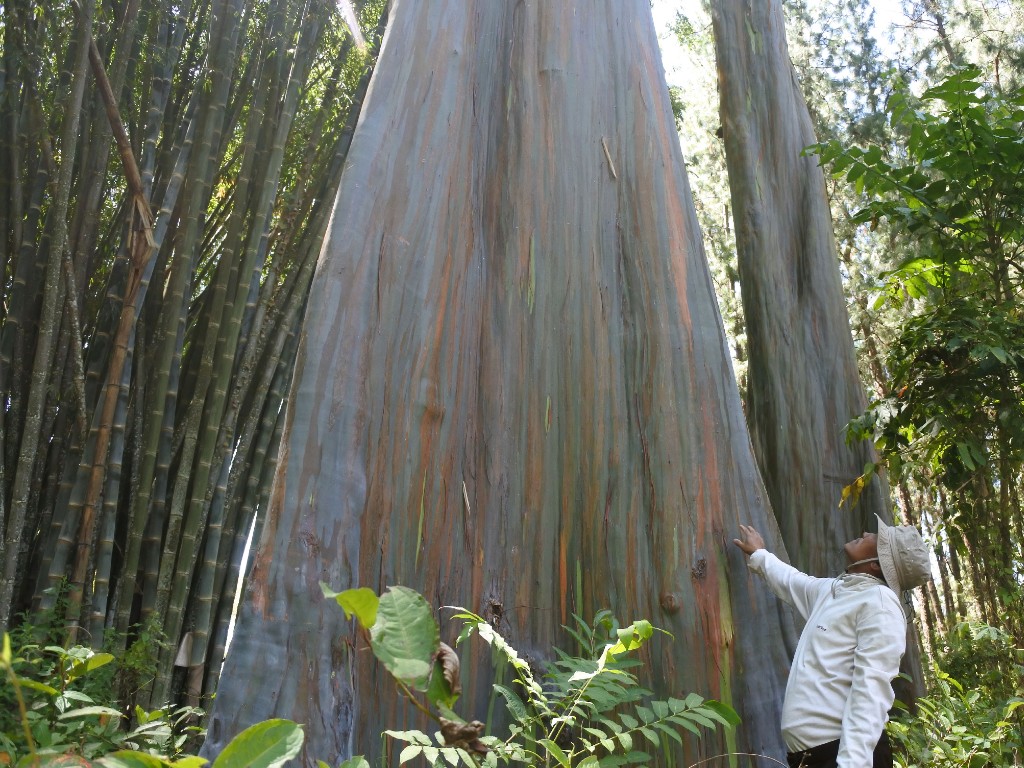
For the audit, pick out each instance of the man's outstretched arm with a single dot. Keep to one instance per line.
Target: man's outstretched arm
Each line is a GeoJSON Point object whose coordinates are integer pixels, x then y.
{"type": "Point", "coordinates": [796, 588]}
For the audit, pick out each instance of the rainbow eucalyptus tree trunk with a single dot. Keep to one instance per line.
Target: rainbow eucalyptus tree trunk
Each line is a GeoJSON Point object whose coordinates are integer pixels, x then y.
{"type": "Point", "coordinates": [803, 382]}
{"type": "Point", "coordinates": [513, 391]}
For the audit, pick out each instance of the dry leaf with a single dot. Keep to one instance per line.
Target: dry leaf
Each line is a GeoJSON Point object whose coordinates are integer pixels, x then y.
{"type": "Point", "coordinates": [450, 667]}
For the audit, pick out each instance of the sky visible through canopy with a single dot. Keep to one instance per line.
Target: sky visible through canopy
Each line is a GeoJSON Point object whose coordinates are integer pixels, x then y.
{"type": "Point", "coordinates": [678, 64]}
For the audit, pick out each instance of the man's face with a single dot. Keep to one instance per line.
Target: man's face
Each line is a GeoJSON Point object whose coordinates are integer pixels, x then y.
{"type": "Point", "coordinates": [864, 548]}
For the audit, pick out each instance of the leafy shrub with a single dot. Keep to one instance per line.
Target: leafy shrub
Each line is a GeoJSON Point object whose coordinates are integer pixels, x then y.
{"type": "Point", "coordinates": [53, 721]}
{"type": "Point", "coordinates": [62, 703]}
{"type": "Point", "coordinates": [954, 727]}
{"type": "Point", "coordinates": [985, 656]}
{"type": "Point", "coordinates": [587, 710]}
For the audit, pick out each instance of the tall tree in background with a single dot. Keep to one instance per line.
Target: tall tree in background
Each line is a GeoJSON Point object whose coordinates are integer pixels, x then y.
{"type": "Point", "coordinates": [803, 383]}
{"type": "Point", "coordinates": [513, 390]}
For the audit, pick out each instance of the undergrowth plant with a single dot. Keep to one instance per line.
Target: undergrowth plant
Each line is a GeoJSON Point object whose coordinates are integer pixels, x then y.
{"type": "Point", "coordinates": [953, 727]}
{"type": "Point", "coordinates": [53, 718]}
{"type": "Point", "coordinates": [586, 710]}
{"type": "Point", "coordinates": [62, 703]}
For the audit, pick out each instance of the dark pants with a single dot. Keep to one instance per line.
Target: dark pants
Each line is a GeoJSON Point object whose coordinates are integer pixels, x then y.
{"type": "Point", "coordinates": [824, 755]}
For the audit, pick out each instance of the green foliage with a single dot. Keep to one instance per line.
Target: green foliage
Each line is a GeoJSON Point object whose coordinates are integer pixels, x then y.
{"type": "Point", "coordinates": [952, 195]}
{"type": "Point", "coordinates": [270, 743]}
{"type": "Point", "coordinates": [953, 727]}
{"type": "Point", "coordinates": [53, 718]}
{"type": "Point", "coordinates": [138, 665]}
{"type": "Point", "coordinates": [957, 364]}
{"type": "Point", "coordinates": [63, 703]}
{"type": "Point", "coordinates": [587, 710]}
{"type": "Point", "coordinates": [986, 658]}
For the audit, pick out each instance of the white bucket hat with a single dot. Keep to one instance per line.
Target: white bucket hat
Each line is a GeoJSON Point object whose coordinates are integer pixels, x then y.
{"type": "Point", "coordinates": [903, 555]}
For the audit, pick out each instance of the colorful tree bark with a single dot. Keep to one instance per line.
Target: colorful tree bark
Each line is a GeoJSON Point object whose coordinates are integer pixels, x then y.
{"type": "Point", "coordinates": [513, 390]}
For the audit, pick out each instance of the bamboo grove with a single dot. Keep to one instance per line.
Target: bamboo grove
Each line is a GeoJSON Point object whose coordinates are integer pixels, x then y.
{"type": "Point", "coordinates": [166, 175]}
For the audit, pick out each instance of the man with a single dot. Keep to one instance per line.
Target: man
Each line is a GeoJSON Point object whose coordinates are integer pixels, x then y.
{"type": "Point", "coordinates": [840, 684]}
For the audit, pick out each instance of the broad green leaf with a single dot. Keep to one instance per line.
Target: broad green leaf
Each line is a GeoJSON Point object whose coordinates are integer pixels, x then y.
{"type": "Point", "coordinates": [268, 744]}
{"type": "Point", "coordinates": [632, 637]}
{"type": "Point", "coordinates": [413, 672]}
{"type": "Point", "coordinates": [431, 754]}
{"type": "Point", "coordinates": [651, 735]}
{"type": "Point", "coordinates": [190, 761]}
{"type": "Point", "coordinates": [360, 602]}
{"type": "Point", "coordinates": [405, 636]}
{"type": "Point", "coordinates": [660, 708]}
{"type": "Point", "coordinates": [77, 696]}
{"type": "Point", "coordinates": [626, 741]}
{"type": "Point", "coordinates": [95, 661]}
{"type": "Point", "coordinates": [7, 656]}
{"type": "Point", "coordinates": [127, 758]}
{"type": "Point", "coordinates": [723, 712]}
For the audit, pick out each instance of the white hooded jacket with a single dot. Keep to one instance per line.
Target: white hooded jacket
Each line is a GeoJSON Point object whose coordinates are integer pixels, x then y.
{"type": "Point", "coordinates": [840, 681]}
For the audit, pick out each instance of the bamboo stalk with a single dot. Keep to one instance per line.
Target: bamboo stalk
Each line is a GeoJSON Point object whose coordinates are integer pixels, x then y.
{"type": "Point", "coordinates": [224, 28]}
{"type": "Point", "coordinates": [23, 479]}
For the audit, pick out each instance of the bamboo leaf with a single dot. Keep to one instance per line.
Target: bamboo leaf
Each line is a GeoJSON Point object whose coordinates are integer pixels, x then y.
{"type": "Point", "coordinates": [95, 710]}
{"type": "Point", "coordinates": [37, 686]}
